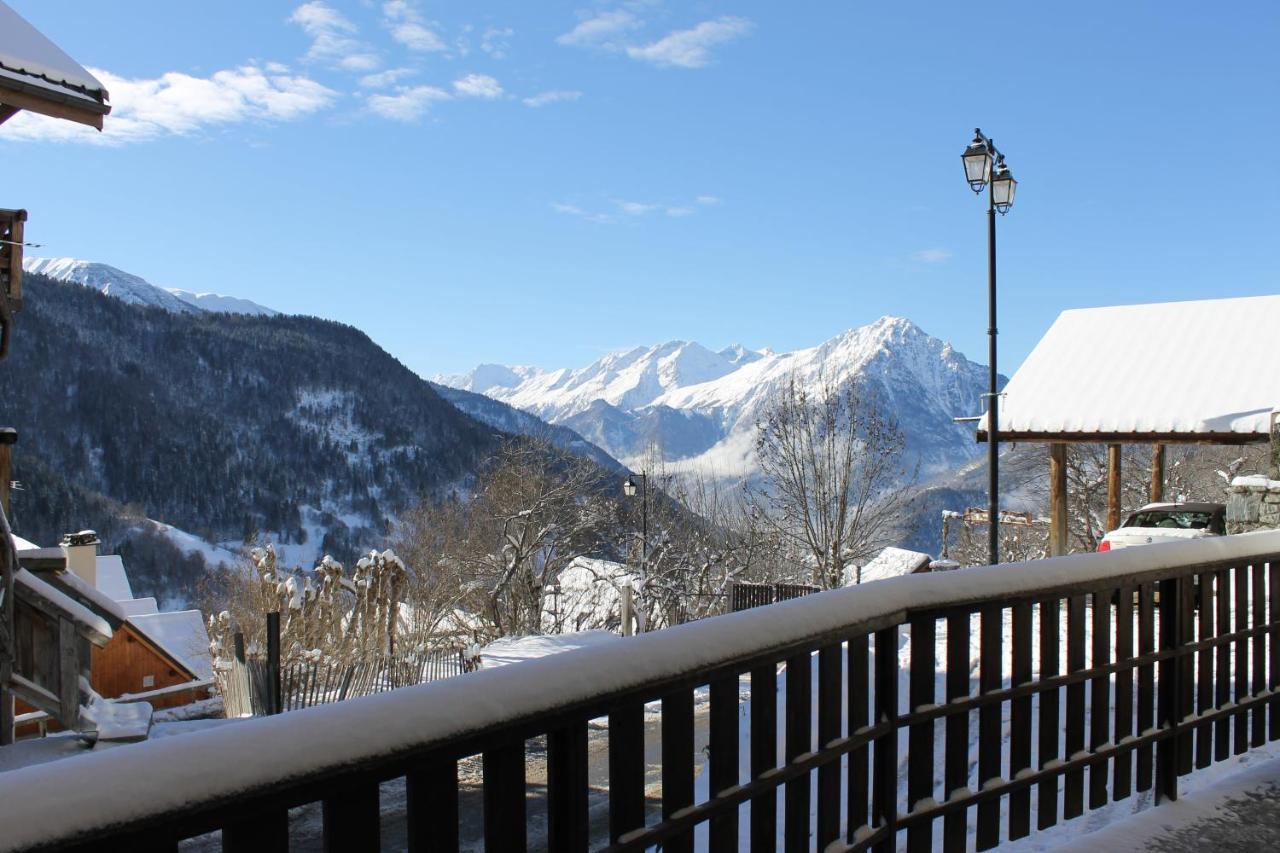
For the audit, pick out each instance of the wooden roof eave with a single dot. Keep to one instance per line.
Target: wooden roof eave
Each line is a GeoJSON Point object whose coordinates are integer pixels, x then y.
{"type": "Point", "coordinates": [1127, 437]}
{"type": "Point", "coordinates": [17, 95]}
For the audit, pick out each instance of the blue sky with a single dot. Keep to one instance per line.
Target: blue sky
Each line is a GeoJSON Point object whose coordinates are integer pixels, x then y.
{"type": "Point", "coordinates": [540, 183]}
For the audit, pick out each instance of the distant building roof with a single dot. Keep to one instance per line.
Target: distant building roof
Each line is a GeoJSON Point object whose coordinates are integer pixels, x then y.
{"type": "Point", "coordinates": [892, 563]}
{"type": "Point", "coordinates": [1172, 371]}
{"type": "Point", "coordinates": [112, 580]}
{"type": "Point", "coordinates": [35, 74]}
{"type": "Point", "coordinates": [182, 634]}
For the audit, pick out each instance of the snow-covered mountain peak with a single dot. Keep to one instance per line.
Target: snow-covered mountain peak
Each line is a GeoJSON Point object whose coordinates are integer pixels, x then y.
{"type": "Point", "coordinates": [701, 406]}
{"type": "Point", "coordinates": [136, 290]}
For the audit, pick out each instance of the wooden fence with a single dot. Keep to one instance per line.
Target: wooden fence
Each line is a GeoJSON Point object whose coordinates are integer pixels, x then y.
{"type": "Point", "coordinates": [1096, 676]}
{"type": "Point", "coordinates": [247, 686]}
{"type": "Point", "coordinates": [744, 596]}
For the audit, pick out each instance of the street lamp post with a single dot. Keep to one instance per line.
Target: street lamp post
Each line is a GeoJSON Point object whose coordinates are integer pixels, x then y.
{"type": "Point", "coordinates": [629, 488]}
{"type": "Point", "coordinates": [978, 160]}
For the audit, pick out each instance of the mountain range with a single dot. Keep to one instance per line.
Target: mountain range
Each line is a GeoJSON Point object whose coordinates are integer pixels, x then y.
{"type": "Point", "coordinates": [699, 406]}
{"type": "Point", "coordinates": [136, 290]}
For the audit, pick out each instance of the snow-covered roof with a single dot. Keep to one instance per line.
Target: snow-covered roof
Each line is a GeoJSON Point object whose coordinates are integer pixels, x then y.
{"type": "Point", "coordinates": [25, 53]}
{"type": "Point", "coordinates": [23, 544]}
{"type": "Point", "coordinates": [112, 579]}
{"type": "Point", "coordinates": [893, 563]}
{"type": "Point", "coordinates": [182, 634]}
{"type": "Point", "coordinates": [139, 607]}
{"type": "Point", "coordinates": [510, 650]}
{"type": "Point", "coordinates": [1194, 369]}
{"type": "Point", "coordinates": [87, 592]}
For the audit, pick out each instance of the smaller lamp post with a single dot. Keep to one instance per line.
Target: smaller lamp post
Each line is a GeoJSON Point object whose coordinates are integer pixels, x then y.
{"type": "Point", "coordinates": [630, 488]}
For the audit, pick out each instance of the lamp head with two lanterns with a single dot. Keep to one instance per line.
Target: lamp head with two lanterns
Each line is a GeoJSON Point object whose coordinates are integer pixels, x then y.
{"type": "Point", "coordinates": [978, 159]}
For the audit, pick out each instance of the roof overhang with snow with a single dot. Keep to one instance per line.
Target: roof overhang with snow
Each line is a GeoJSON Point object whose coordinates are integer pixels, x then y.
{"type": "Point", "coordinates": [1173, 372]}
{"type": "Point", "coordinates": [36, 75]}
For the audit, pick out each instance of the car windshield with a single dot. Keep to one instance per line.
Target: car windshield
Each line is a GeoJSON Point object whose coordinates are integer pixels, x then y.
{"type": "Point", "coordinates": [1177, 519]}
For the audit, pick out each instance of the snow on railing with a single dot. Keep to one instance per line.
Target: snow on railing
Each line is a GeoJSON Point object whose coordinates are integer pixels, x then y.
{"type": "Point", "coordinates": [181, 786]}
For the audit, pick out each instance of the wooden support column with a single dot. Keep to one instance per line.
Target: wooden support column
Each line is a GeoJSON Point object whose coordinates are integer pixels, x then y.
{"type": "Point", "coordinates": [8, 436]}
{"type": "Point", "coordinates": [1113, 486]}
{"type": "Point", "coordinates": [1057, 500]}
{"type": "Point", "coordinates": [1157, 473]}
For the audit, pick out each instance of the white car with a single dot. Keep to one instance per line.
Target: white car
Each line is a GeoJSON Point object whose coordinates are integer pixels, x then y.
{"type": "Point", "coordinates": [1167, 522]}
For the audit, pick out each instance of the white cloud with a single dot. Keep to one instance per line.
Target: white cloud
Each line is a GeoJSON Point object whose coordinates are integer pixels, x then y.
{"type": "Point", "coordinates": [478, 86]}
{"type": "Point", "coordinates": [409, 28]}
{"type": "Point", "coordinates": [496, 41]}
{"type": "Point", "coordinates": [589, 216]}
{"type": "Point", "coordinates": [555, 96]}
{"type": "Point", "coordinates": [332, 40]}
{"type": "Point", "coordinates": [679, 211]}
{"type": "Point", "coordinates": [635, 208]}
{"type": "Point", "coordinates": [707, 199]}
{"type": "Point", "coordinates": [600, 29]}
{"type": "Point", "coordinates": [409, 103]}
{"type": "Point", "coordinates": [177, 104]}
{"type": "Point", "coordinates": [383, 79]}
{"type": "Point", "coordinates": [691, 48]}
{"type": "Point", "coordinates": [933, 256]}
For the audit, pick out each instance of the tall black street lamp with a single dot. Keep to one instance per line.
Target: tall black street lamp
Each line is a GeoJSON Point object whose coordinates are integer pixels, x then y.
{"type": "Point", "coordinates": [978, 160]}
{"type": "Point", "coordinates": [629, 488]}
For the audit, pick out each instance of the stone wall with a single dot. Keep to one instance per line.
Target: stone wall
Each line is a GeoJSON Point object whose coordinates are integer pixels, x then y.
{"type": "Point", "coordinates": [1253, 503]}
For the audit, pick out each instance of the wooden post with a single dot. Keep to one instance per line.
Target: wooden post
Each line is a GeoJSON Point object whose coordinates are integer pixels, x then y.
{"type": "Point", "coordinates": [1157, 473]}
{"type": "Point", "coordinates": [627, 609]}
{"type": "Point", "coordinates": [1057, 500]}
{"type": "Point", "coordinates": [8, 437]}
{"type": "Point", "coordinates": [273, 661]}
{"type": "Point", "coordinates": [1113, 486]}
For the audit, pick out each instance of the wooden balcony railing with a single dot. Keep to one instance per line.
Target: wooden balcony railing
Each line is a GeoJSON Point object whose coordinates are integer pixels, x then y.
{"type": "Point", "coordinates": [1013, 697]}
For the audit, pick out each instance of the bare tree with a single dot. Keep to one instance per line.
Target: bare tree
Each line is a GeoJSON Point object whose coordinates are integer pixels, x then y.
{"type": "Point", "coordinates": [837, 480]}
{"type": "Point", "coordinates": [535, 508]}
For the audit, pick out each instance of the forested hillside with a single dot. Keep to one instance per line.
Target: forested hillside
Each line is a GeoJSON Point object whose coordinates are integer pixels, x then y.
{"type": "Point", "coordinates": [223, 425]}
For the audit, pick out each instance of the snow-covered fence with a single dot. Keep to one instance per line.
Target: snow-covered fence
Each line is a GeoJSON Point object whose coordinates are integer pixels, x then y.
{"type": "Point", "coordinates": [1034, 691]}
{"type": "Point", "coordinates": [745, 595]}
{"type": "Point", "coordinates": [303, 683]}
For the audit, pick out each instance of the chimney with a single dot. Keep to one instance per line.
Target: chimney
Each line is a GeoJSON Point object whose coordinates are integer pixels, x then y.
{"type": "Point", "coordinates": [82, 555]}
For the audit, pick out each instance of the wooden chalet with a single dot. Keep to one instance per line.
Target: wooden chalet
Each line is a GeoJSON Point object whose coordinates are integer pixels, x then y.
{"type": "Point", "coordinates": [160, 658]}
{"type": "Point", "coordinates": [1197, 372]}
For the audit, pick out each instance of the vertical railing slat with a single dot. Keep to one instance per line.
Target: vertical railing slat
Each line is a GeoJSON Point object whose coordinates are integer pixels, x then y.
{"type": "Point", "coordinates": [1047, 749]}
{"type": "Point", "coordinates": [626, 769]}
{"type": "Point", "coordinates": [351, 819]}
{"type": "Point", "coordinates": [1122, 770]}
{"type": "Point", "coordinates": [1020, 722]}
{"type": "Point", "coordinates": [859, 690]}
{"type": "Point", "coordinates": [1146, 686]}
{"type": "Point", "coordinates": [830, 703]}
{"type": "Point", "coordinates": [764, 753]}
{"type": "Point", "coordinates": [504, 799]}
{"type": "Point", "coordinates": [1186, 666]}
{"type": "Point", "coordinates": [1273, 679]}
{"type": "Point", "coordinates": [884, 783]}
{"type": "Point", "coordinates": [1073, 784]}
{"type": "Point", "coordinates": [677, 762]}
{"type": "Point", "coordinates": [1259, 653]}
{"type": "Point", "coordinates": [1099, 697]}
{"type": "Point", "coordinates": [920, 736]}
{"type": "Point", "coordinates": [956, 762]}
{"type": "Point", "coordinates": [431, 807]}
{"type": "Point", "coordinates": [1204, 673]}
{"type": "Point", "coordinates": [724, 759]}
{"type": "Point", "coordinates": [1222, 679]}
{"type": "Point", "coordinates": [799, 727]}
{"type": "Point", "coordinates": [568, 787]}
{"type": "Point", "coordinates": [1241, 623]}
{"type": "Point", "coordinates": [1167, 713]}
{"type": "Point", "coordinates": [268, 832]}
{"type": "Point", "coordinates": [990, 749]}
